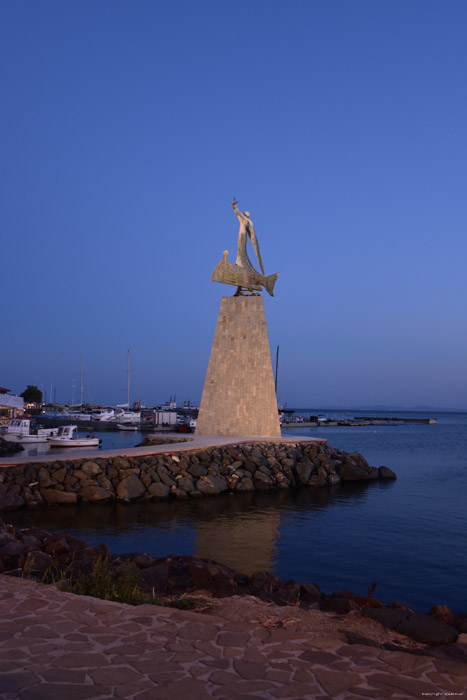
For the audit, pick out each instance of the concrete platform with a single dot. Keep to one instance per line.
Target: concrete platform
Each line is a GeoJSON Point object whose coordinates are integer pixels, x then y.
{"type": "Point", "coordinates": [58, 646]}
{"type": "Point", "coordinates": [194, 442]}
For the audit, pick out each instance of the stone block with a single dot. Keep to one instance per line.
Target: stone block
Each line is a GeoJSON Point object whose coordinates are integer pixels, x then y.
{"type": "Point", "coordinates": [239, 397]}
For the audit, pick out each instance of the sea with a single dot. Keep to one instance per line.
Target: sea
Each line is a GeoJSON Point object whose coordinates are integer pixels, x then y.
{"type": "Point", "coordinates": [406, 538]}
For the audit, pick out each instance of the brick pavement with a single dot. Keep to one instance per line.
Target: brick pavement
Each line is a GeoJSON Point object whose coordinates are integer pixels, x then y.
{"type": "Point", "coordinates": [194, 442]}
{"type": "Point", "coordinates": [58, 646]}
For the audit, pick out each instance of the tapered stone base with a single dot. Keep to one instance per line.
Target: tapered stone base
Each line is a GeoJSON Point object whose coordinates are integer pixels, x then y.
{"type": "Point", "coordinates": [239, 397]}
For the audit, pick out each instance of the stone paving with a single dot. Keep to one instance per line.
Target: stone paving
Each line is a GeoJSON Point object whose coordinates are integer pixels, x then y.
{"type": "Point", "coordinates": [194, 442]}
{"type": "Point", "coordinates": [58, 646]}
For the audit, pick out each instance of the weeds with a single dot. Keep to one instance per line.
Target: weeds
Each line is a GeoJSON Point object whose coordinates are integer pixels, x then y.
{"type": "Point", "coordinates": [104, 583]}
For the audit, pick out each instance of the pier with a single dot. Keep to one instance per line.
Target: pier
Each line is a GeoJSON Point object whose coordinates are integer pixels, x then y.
{"type": "Point", "coordinates": [356, 422]}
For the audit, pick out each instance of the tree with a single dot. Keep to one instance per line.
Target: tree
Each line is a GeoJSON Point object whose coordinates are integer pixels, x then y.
{"type": "Point", "coordinates": [32, 394]}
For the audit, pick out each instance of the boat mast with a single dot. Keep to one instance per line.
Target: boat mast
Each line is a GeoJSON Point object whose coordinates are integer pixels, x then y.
{"type": "Point", "coordinates": [277, 368]}
{"type": "Point", "coordinates": [81, 381]}
{"type": "Point", "coordinates": [128, 396]}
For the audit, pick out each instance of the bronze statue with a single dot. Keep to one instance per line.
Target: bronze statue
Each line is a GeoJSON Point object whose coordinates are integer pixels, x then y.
{"type": "Point", "coordinates": [243, 274]}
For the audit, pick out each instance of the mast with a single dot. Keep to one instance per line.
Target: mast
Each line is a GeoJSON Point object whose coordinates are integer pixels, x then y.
{"type": "Point", "coordinates": [128, 395]}
{"type": "Point", "coordinates": [81, 381]}
{"type": "Point", "coordinates": [277, 368]}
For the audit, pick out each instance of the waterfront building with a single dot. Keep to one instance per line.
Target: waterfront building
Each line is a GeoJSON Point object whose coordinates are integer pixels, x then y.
{"type": "Point", "coordinates": [10, 403]}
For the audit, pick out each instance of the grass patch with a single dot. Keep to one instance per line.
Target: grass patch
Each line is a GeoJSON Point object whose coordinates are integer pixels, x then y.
{"type": "Point", "coordinates": [122, 587]}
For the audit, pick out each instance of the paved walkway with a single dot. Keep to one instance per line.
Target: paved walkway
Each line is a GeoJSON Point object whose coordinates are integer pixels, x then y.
{"type": "Point", "coordinates": [193, 442]}
{"type": "Point", "coordinates": [57, 646]}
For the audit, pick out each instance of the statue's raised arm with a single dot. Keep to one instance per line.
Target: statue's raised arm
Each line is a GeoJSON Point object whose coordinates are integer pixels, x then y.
{"type": "Point", "coordinates": [243, 274]}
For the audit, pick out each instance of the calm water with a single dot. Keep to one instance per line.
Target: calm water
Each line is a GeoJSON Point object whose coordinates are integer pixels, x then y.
{"type": "Point", "coordinates": [410, 535]}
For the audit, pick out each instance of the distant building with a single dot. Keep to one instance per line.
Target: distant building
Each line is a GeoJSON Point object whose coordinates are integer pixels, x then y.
{"type": "Point", "coordinates": [154, 417]}
{"type": "Point", "coordinates": [10, 404]}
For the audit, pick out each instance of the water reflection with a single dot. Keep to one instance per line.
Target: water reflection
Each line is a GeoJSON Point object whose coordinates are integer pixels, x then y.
{"type": "Point", "coordinates": [241, 531]}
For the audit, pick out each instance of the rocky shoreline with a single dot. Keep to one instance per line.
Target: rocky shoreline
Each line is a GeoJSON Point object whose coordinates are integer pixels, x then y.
{"type": "Point", "coordinates": [38, 555]}
{"type": "Point", "coordinates": [42, 556]}
{"type": "Point", "coordinates": [184, 474]}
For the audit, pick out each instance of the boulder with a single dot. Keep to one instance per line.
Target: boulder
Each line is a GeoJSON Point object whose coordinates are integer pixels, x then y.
{"type": "Point", "coordinates": [386, 474]}
{"type": "Point", "coordinates": [13, 554]}
{"type": "Point", "coordinates": [212, 484]}
{"type": "Point", "coordinates": [178, 493]}
{"type": "Point", "coordinates": [37, 564]}
{"type": "Point", "coordinates": [154, 579]}
{"type": "Point", "coordinates": [159, 490]}
{"type": "Point", "coordinates": [91, 468]}
{"type": "Point", "coordinates": [56, 545]}
{"type": "Point", "coordinates": [316, 481]}
{"type": "Point", "coordinates": [120, 463]}
{"type": "Point", "coordinates": [351, 471]}
{"type": "Point", "coordinates": [422, 628]}
{"type": "Point", "coordinates": [95, 493]}
{"type": "Point", "coordinates": [185, 484]}
{"type": "Point", "coordinates": [245, 484]}
{"type": "Point", "coordinates": [303, 470]}
{"type": "Point", "coordinates": [197, 470]}
{"type": "Point", "coordinates": [45, 478]}
{"type": "Point", "coordinates": [11, 501]}
{"type": "Point", "coordinates": [146, 479]}
{"type": "Point", "coordinates": [218, 579]}
{"type": "Point", "coordinates": [56, 496]}
{"type": "Point", "coordinates": [164, 477]}
{"type": "Point", "coordinates": [262, 481]}
{"type": "Point", "coordinates": [310, 594]}
{"type": "Point", "coordinates": [60, 475]}
{"type": "Point", "coordinates": [130, 488]}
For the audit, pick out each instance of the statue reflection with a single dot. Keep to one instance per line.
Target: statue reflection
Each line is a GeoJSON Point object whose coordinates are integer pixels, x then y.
{"type": "Point", "coordinates": [246, 544]}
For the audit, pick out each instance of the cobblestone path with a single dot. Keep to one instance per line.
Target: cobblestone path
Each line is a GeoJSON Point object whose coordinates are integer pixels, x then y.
{"type": "Point", "coordinates": [57, 646]}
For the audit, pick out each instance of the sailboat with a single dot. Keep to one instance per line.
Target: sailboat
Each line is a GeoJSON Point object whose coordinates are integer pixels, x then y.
{"type": "Point", "coordinates": [128, 420]}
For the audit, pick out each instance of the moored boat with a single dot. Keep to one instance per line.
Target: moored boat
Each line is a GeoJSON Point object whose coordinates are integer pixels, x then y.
{"type": "Point", "coordinates": [128, 418]}
{"type": "Point", "coordinates": [20, 430]}
{"type": "Point", "coordinates": [65, 438]}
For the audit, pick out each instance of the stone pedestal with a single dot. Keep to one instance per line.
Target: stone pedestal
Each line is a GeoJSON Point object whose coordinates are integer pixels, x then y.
{"type": "Point", "coordinates": [239, 397]}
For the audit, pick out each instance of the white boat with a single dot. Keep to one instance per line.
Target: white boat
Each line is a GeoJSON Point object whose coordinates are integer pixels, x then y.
{"type": "Point", "coordinates": [105, 414]}
{"type": "Point", "coordinates": [128, 417]}
{"type": "Point", "coordinates": [65, 438]}
{"type": "Point", "coordinates": [127, 426]}
{"type": "Point", "coordinates": [20, 430]}
{"type": "Point", "coordinates": [97, 414]}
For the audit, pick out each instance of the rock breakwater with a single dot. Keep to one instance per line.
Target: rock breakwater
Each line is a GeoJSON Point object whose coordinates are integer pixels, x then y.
{"type": "Point", "coordinates": [184, 474]}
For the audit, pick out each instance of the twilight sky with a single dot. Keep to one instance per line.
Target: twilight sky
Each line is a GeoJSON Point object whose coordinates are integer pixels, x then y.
{"type": "Point", "coordinates": [127, 129]}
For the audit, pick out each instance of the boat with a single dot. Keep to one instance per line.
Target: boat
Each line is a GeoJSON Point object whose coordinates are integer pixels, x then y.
{"type": "Point", "coordinates": [128, 418]}
{"type": "Point", "coordinates": [20, 430]}
{"type": "Point", "coordinates": [228, 273]}
{"type": "Point", "coordinates": [65, 438]}
{"type": "Point", "coordinates": [127, 426]}
{"type": "Point", "coordinates": [93, 415]}
{"type": "Point", "coordinates": [103, 414]}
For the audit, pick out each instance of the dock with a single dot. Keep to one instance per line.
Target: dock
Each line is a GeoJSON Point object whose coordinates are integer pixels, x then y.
{"type": "Point", "coordinates": [356, 422]}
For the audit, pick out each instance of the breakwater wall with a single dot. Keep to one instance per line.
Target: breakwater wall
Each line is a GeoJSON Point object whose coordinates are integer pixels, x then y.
{"type": "Point", "coordinates": [255, 466]}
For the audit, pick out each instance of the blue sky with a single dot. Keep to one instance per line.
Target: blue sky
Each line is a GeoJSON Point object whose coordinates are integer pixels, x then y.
{"type": "Point", "coordinates": [127, 129]}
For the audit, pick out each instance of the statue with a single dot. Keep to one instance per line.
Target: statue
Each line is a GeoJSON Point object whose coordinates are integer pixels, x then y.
{"type": "Point", "coordinates": [243, 274]}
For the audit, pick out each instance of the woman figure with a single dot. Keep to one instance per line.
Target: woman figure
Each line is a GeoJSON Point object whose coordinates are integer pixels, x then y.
{"type": "Point", "coordinates": [246, 231]}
